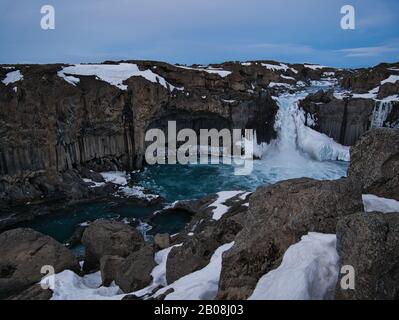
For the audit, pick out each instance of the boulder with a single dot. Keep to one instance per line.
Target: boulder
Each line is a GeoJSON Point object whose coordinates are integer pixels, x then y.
{"type": "Point", "coordinates": [109, 266]}
{"type": "Point", "coordinates": [23, 252]}
{"type": "Point", "coordinates": [162, 241]}
{"type": "Point", "coordinates": [278, 216]}
{"type": "Point", "coordinates": [113, 238]}
{"type": "Point", "coordinates": [369, 243]}
{"type": "Point", "coordinates": [135, 272]}
{"type": "Point", "coordinates": [204, 235]}
{"type": "Point", "coordinates": [375, 162]}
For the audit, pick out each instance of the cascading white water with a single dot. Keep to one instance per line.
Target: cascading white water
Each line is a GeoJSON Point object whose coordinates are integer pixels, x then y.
{"type": "Point", "coordinates": [295, 139]}
{"type": "Point", "coordinates": [380, 113]}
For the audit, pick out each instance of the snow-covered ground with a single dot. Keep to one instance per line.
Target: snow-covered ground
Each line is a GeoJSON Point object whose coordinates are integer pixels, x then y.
{"type": "Point", "coordinates": [309, 271]}
{"type": "Point", "coordinates": [69, 286]}
{"type": "Point", "coordinates": [114, 74]}
{"type": "Point", "coordinates": [373, 203]}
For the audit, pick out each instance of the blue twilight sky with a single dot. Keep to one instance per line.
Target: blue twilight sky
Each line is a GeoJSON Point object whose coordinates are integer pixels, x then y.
{"type": "Point", "coordinates": [200, 31]}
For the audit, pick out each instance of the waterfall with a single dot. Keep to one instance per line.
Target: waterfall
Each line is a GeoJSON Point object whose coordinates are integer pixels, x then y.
{"type": "Point", "coordinates": [296, 139]}
{"type": "Point", "coordinates": [380, 113]}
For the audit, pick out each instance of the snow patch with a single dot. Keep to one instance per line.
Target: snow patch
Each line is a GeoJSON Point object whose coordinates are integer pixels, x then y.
{"type": "Point", "coordinates": [12, 77]}
{"type": "Point", "coordinates": [114, 74]}
{"type": "Point", "coordinates": [70, 286]}
{"type": "Point", "coordinates": [220, 207]}
{"type": "Point", "coordinates": [390, 79]}
{"type": "Point", "coordinates": [219, 71]}
{"type": "Point", "coordinates": [374, 203]}
{"type": "Point", "coordinates": [309, 271]}
{"type": "Point", "coordinates": [200, 285]}
{"type": "Point", "coordinates": [279, 67]}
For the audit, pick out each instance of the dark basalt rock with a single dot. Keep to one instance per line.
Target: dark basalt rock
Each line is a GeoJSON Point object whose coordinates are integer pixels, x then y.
{"type": "Point", "coordinates": [343, 120]}
{"type": "Point", "coordinates": [369, 243]}
{"type": "Point", "coordinates": [23, 252]}
{"type": "Point", "coordinates": [111, 238]}
{"type": "Point", "coordinates": [49, 127]}
{"type": "Point", "coordinates": [278, 216]}
{"type": "Point", "coordinates": [134, 272]}
{"type": "Point", "coordinates": [375, 162]}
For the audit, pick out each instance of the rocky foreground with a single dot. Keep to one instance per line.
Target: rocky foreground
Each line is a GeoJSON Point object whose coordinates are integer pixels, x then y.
{"type": "Point", "coordinates": [61, 124]}
{"type": "Point", "coordinates": [238, 244]}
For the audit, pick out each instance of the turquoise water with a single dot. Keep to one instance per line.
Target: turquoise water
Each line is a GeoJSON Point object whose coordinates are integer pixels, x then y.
{"type": "Point", "coordinates": [281, 160]}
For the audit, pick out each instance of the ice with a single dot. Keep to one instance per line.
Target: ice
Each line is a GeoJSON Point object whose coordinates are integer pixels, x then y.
{"type": "Point", "coordinates": [380, 113]}
{"type": "Point", "coordinates": [114, 74]}
{"type": "Point", "coordinates": [374, 203]}
{"type": "Point", "coordinates": [309, 271]}
{"type": "Point", "coordinates": [220, 208]}
{"type": "Point", "coordinates": [12, 77]}
{"type": "Point", "coordinates": [294, 134]}
{"type": "Point", "coordinates": [200, 285]}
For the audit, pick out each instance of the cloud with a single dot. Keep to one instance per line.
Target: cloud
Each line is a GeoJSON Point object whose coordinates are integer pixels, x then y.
{"type": "Point", "coordinates": [369, 51]}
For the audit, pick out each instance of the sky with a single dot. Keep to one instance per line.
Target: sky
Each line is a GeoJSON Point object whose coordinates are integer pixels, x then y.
{"type": "Point", "coordinates": [201, 31]}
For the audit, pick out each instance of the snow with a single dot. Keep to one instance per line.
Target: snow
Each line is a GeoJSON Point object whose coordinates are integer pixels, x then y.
{"type": "Point", "coordinates": [93, 183]}
{"type": "Point", "coordinates": [12, 77]}
{"type": "Point", "coordinates": [200, 285]}
{"type": "Point", "coordinates": [222, 73]}
{"type": "Point", "coordinates": [309, 271]}
{"type": "Point", "coordinates": [158, 273]}
{"type": "Point", "coordinates": [314, 66]}
{"type": "Point", "coordinates": [279, 84]}
{"type": "Point", "coordinates": [279, 67]}
{"type": "Point", "coordinates": [390, 79]}
{"type": "Point", "coordinates": [220, 208]}
{"type": "Point", "coordinates": [374, 203]}
{"type": "Point", "coordinates": [286, 77]}
{"type": "Point", "coordinates": [70, 286]}
{"type": "Point", "coordinates": [114, 74]}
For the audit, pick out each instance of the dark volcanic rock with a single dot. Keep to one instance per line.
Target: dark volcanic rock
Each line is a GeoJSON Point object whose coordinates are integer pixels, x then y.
{"type": "Point", "coordinates": [369, 243]}
{"type": "Point", "coordinates": [49, 126]}
{"type": "Point", "coordinates": [203, 235]}
{"type": "Point", "coordinates": [113, 238]}
{"type": "Point", "coordinates": [278, 217]}
{"type": "Point", "coordinates": [109, 266]}
{"type": "Point", "coordinates": [35, 292]}
{"type": "Point", "coordinates": [135, 272]}
{"type": "Point", "coordinates": [343, 120]}
{"type": "Point", "coordinates": [375, 162]}
{"type": "Point", "coordinates": [23, 252]}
